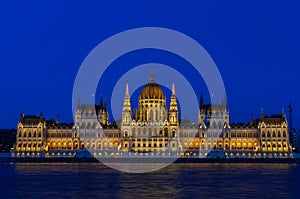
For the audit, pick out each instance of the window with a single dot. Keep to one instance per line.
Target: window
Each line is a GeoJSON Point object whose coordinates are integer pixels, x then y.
{"type": "Point", "coordinates": [279, 134]}
{"type": "Point", "coordinates": [166, 132]}
{"type": "Point", "coordinates": [173, 133]}
{"type": "Point", "coordinates": [284, 134]}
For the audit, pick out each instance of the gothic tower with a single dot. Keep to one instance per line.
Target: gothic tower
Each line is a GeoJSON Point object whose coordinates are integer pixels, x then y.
{"type": "Point", "coordinates": [173, 113]}
{"type": "Point", "coordinates": [201, 113]}
{"type": "Point", "coordinates": [126, 111]}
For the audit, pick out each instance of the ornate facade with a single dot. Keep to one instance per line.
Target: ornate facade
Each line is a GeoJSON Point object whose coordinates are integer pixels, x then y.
{"type": "Point", "coordinates": [153, 128]}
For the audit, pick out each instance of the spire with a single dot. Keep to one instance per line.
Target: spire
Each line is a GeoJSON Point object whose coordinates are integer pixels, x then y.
{"type": "Point", "coordinates": [101, 103]}
{"type": "Point", "coordinates": [78, 103]}
{"type": "Point", "coordinates": [152, 76]}
{"type": "Point", "coordinates": [262, 113]}
{"type": "Point", "coordinates": [290, 108]}
{"type": "Point", "coordinates": [224, 101]}
{"type": "Point", "coordinates": [21, 116]}
{"type": "Point", "coordinates": [41, 116]}
{"type": "Point", "coordinates": [290, 118]}
{"type": "Point", "coordinates": [57, 119]}
{"type": "Point", "coordinates": [127, 90]}
{"type": "Point", "coordinates": [173, 113]}
{"type": "Point", "coordinates": [104, 106]}
{"type": "Point", "coordinates": [282, 113]}
{"type": "Point", "coordinates": [126, 111]}
{"type": "Point", "coordinates": [201, 101]}
{"type": "Point", "coordinates": [173, 89]}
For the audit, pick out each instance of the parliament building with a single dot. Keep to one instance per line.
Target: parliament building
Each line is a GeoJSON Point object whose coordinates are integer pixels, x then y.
{"type": "Point", "coordinates": [153, 128]}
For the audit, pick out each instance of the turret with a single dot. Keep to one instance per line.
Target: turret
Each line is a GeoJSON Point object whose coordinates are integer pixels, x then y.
{"type": "Point", "coordinates": [57, 120]}
{"type": "Point", "coordinates": [201, 113]}
{"type": "Point", "coordinates": [22, 117]}
{"type": "Point", "coordinates": [173, 113]}
{"type": "Point", "coordinates": [41, 116]}
{"type": "Point", "coordinates": [78, 103]}
{"type": "Point", "coordinates": [282, 113]}
{"type": "Point", "coordinates": [126, 111]}
{"type": "Point", "coordinates": [262, 115]}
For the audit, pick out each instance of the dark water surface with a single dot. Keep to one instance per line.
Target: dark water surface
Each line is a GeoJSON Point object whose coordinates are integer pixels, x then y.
{"type": "Point", "coordinates": [92, 180]}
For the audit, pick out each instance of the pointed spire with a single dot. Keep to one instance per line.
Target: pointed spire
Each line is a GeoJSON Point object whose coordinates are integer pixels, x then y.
{"type": "Point", "coordinates": [57, 119]}
{"type": "Point", "coordinates": [262, 113]}
{"type": "Point", "coordinates": [101, 103]}
{"type": "Point", "coordinates": [282, 113]}
{"type": "Point", "coordinates": [224, 101]}
{"type": "Point", "coordinates": [104, 106]}
{"type": "Point", "coordinates": [127, 90]}
{"type": "Point", "coordinates": [152, 76]}
{"type": "Point", "coordinates": [290, 108]}
{"type": "Point", "coordinates": [21, 116]}
{"type": "Point", "coordinates": [173, 88]}
{"type": "Point", "coordinates": [78, 103]}
{"type": "Point", "coordinates": [41, 115]}
{"type": "Point", "coordinates": [201, 101]}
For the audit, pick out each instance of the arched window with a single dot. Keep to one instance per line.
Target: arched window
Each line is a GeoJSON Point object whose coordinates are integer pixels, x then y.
{"type": "Point", "coordinates": [139, 132]}
{"type": "Point", "coordinates": [151, 115]}
{"type": "Point", "coordinates": [173, 133]}
{"type": "Point", "coordinates": [279, 134]}
{"type": "Point", "coordinates": [160, 132]}
{"type": "Point", "coordinates": [149, 132]}
{"type": "Point", "coordinates": [284, 134]}
{"type": "Point", "coordinates": [126, 134]}
{"type": "Point", "coordinates": [133, 132]}
{"type": "Point", "coordinates": [166, 132]}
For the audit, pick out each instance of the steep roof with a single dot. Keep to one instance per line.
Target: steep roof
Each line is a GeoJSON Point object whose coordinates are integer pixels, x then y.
{"type": "Point", "coordinates": [31, 119]}
{"type": "Point", "coordinates": [273, 119]}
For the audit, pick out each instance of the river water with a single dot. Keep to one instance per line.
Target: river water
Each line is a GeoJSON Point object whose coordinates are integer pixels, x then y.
{"type": "Point", "coordinates": [182, 180]}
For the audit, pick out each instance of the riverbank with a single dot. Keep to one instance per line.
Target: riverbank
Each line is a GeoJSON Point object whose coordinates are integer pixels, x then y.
{"type": "Point", "coordinates": [146, 160]}
{"type": "Point", "coordinates": [6, 158]}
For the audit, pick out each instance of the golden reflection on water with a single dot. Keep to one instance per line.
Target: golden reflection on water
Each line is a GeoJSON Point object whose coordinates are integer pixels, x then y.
{"type": "Point", "coordinates": [94, 180]}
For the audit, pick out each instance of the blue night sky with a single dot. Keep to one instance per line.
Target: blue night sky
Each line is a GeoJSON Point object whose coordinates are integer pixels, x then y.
{"type": "Point", "coordinates": [255, 45]}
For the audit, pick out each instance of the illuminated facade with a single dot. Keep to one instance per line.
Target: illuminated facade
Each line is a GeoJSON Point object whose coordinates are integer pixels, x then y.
{"type": "Point", "coordinates": [30, 135]}
{"type": "Point", "coordinates": [153, 128]}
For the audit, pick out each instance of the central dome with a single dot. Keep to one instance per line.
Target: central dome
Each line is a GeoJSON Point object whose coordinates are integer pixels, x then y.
{"type": "Point", "coordinates": [152, 90]}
